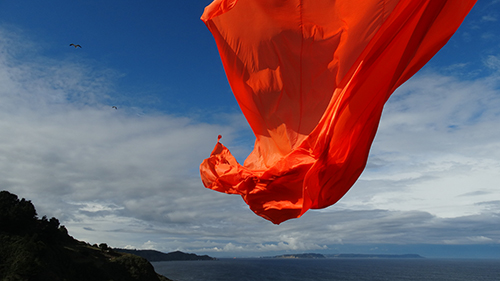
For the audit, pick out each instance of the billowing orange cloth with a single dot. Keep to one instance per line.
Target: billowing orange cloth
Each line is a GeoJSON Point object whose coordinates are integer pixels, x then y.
{"type": "Point", "coordinates": [312, 77]}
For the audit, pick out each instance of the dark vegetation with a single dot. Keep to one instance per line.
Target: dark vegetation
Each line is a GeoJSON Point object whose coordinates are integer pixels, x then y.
{"type": "Point", "coordinates": [152, 255]}
{"type": "Point", "coordinates": [41, 249]}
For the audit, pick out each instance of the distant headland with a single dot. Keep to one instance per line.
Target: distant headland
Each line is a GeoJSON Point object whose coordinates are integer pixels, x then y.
{"type": "Point", "coordinates": [153, 255]}
{"type": "Point", "coordinates": [345, 256]}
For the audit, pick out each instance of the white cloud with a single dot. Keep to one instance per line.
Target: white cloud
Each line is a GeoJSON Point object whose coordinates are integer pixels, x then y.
{"type": "Point", "coordinates": [489, 18]}
{"type": "Point", "coordinates": [437, 140]}
{"type": "Point", "coordinates": [94, 207]}
{"type": "Point", "coordinates": [95, 168]}
{"type": "Point", "coordinates": [493, 62]}
{"type": "Point", "coordinates": [149, 245]}
{"type": "Point", "coordinates": [131, 180]}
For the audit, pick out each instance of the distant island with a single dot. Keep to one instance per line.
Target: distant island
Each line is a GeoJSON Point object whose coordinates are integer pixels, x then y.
{"type": "Point", "coordinates": [153, 255]}
{"type": "Point", "coordinates": [374, 256]}
{"type": "Point", "coordinates": [359, 256]}
{"type": "Point", "coordinates": [299, 256]}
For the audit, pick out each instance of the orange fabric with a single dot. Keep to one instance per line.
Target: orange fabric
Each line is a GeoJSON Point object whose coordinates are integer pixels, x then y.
{"type": "Point", "coordinates": [312, 77]}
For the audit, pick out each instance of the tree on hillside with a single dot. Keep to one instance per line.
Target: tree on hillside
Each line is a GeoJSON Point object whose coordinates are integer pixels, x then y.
{"type": "Point", "coordinates": [16, 215]}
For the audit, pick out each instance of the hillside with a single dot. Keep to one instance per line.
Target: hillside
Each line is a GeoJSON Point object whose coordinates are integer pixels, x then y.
{"type": "Point", "coordinates": [40, 249]}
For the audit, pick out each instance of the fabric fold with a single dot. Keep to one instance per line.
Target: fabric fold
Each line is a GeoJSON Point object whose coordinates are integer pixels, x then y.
{"type": "Point", "coordinates": [312, 78]}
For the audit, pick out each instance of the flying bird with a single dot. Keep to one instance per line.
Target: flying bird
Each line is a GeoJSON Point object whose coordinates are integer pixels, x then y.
{"type": "Point", "coordinates": [76, 46]}
{"type": "Point", "coordinates": [114, 107]}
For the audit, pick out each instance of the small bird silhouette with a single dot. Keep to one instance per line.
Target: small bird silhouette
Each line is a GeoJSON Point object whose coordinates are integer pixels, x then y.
{"type": "Point", "coordinates": [76, 46]}
{"type": "Point", "coordinates": [114, 107]}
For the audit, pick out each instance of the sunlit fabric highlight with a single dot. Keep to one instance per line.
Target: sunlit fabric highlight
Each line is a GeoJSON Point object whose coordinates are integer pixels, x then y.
{"type": "Point", "coordinates": [312, 78]}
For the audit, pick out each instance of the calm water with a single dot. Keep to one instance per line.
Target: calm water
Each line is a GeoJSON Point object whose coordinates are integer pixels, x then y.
{"type": "Point", "coordinates": [330, 269]}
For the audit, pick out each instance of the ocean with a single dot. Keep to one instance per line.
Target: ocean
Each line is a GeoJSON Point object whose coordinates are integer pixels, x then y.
{"type": "Point", "coordinates": [331, 269]}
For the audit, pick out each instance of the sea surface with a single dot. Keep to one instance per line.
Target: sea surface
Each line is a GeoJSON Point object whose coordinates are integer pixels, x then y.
{"type": "Point", "coordinates": [331, 269]}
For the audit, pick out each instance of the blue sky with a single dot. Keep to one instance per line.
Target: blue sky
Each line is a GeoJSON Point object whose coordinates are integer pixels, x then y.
{"type": "Point", "coordinates": [160, 50]}
{"type": "Point", "coordinates": [129, 177]}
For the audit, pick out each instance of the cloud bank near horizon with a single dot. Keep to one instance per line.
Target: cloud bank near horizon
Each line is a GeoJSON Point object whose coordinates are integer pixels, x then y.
{"type": "Point", "coordinates": [130, 178]}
